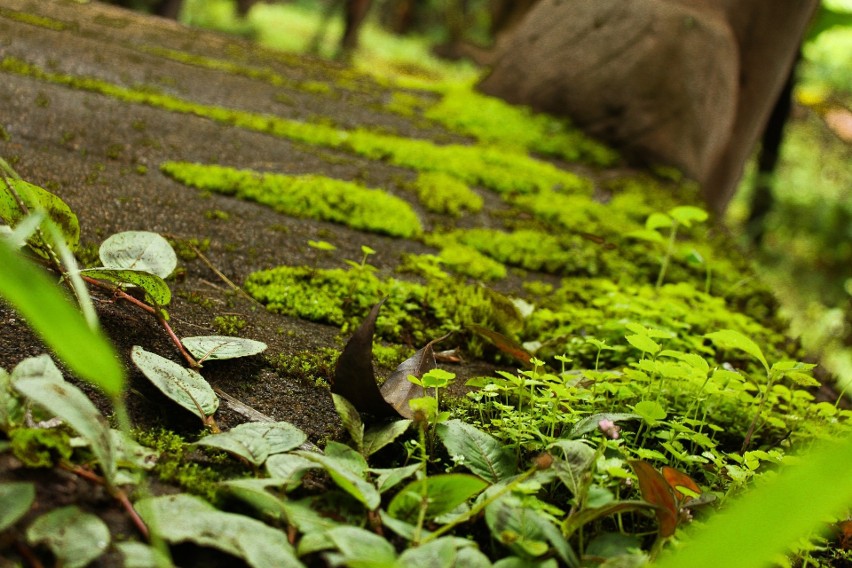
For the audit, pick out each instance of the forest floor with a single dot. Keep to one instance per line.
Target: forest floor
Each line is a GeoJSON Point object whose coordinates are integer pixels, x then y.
{"type": "Point", "coordinates": [64, 128]}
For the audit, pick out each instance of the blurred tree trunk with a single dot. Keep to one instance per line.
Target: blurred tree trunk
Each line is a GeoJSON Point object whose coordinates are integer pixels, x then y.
{"type": "Point", "coordinates": [356, 12]}
{"type": "Point", "coordinates": [689, 83]}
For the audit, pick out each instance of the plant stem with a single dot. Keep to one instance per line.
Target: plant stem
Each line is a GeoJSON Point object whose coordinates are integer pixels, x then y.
{"type": "Point", "coordinates": [478, 508]}
{"type": "Point", "coordinates": [667, 257]}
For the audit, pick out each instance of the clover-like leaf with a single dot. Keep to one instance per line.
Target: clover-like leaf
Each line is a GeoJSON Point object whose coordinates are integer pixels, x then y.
{"type": "Point", "coordinates": [74, 536]}
{"type": "Point", "coordinates": [219, 347]}
{"type": "Point", "coordinates": [731, 339]}
{"type": "Point", "coordinates": [182, 385]}
{"type": "Point", "coordinates": [157, 292]}
{"type": "Point", "coordinates": [185, 518]}
{"type": "Point", "coordinates": [17, 497]}
{"type": "Point", "coordinates": [139, 250]}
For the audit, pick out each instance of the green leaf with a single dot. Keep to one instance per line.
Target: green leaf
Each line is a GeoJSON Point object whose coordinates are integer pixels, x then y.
{"type": "Point", "coordinates": [346, 479]}
{"type": "Point", "coordinates": [686, 214]}
{"type": "Point", "coordinates": [650, 411]}
{"type": "Point", "coordinates": [75, 537]}
{"type": "Point", "coordinates": [730, 339]}
{"type": "Point", "coordinates": [289, 468]}
{"type": "Point", "coordinates": [35, 199]}
{"type": "Point", "coordinates": [140, 251]}
{"type": "Point", "coordinates": [643, 343]}
{"type": "Point", "coordinates": [575, 461]}
{"type": "Point", "coordinates": [526, 531]}
{"type": "Point", "coordinates": [75, 409]}
{"type": "Point", "coordinates": [360, 548]}
{"type": "Point", "coordinates": [389, 478]}
{"type": "Point", "coordinates": [17, 498]}
{"type": "Point", "coordinates": [157, 292]}
{"type": "Point", "coordinates": [483, 454]}
{"type": "Point", "coordinates": [220, 347]}
{"type": "Point", "coordinates": [748, 532]}
{"type": "Point", "coordinates": [182, 385]}
{"type": "Point", "coordinates": [377, 437]}
{"type": "Point", "coordinates": [658, 221]}
{"type": "Point", "coordinates": [88, 353]}
{"type": "Point", "coordinates": [442, 493]}
{"type": "Point", "coordinates": [138, 555]}
{"type": "Point", "coordinates": [41, 367]}
{"type": "Point", "coordinates": [185, 518]}
{"type": "Point", "coordinates": [254, 492]}
{"type": "Point", "coordinates": [351, 420]}
{"type": "Point", "coordinates": [444, 553]}
{"type": "Point", "coordinates": [256, 441]}
{"type": "Point", "coordinates": [646, 235]}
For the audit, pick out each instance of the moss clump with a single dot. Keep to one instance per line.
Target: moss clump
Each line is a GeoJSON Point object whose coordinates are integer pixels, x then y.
{"type": "Point", "coordinates": [442, 193]}
{"type": "Point", "coordinates": [40, 447]}
{"type": "Point", "coordinates": [413, 313]}
{"type": "Point", "coordinates": [188, 249]}
{"type": "Point", "coordinates": [316, 366]}
{"type": "Point", "coordinates": [229, 324]}
{"type": "Point", "coordinates": [311, 196]}
{"type": "Point", "coordinates": [468, 261]}
{"type": "Point", "coordinates": [494, 121]}
{"type": "Point", "coordinates": [564, 254]}
{"type": "Point", "coordinates": [176, 467]}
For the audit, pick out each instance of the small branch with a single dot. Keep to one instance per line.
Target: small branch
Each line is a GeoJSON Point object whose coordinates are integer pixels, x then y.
{"type": "Point", "coordinates": [118, 494]}
{"type": "Point", "coordinates": [121, 294]}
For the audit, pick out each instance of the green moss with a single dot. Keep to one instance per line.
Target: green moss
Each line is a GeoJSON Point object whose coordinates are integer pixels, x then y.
{"type": "Point", "coordinates": [413, 313]}
{"type": "Point", "coordinates": [494, 121]}
{"type": "Point", "coordinates": [494, 168]}
{"type": "Point", "coordinates": [229, 324]}
{"type": "Point", "coordinates": [185, 249]}
{"type": "Point", "coordinates": [40, 447]}
{"type": "Point", "coordinates": [554, 253]}
{"type": "Point", "coordinates": [407, 104]}
{"type": "Point", "coordinates": [467, 261]}
{"type": "Point", "coordinates": [217, 215]}
{"type": "Point", "coordinates": [176, 467]}
{"type": "Point", "coordinates": [315, 366]}
{"type": "Point", "coordinates": [311, 196]}
{"type": "Point", "coordinates": [34, 20]}
{"type": "Point", "coordinates": [4, 134]}
{"type": "Point", "coordinates": [442, 193]}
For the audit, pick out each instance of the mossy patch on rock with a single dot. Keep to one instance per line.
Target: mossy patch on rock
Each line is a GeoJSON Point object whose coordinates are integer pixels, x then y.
{"type": "Point", "coordinates": [312, 196]}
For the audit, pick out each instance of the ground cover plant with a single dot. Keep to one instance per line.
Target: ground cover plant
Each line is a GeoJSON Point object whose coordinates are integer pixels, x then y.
{"type": "Point", "coordinates": [618, 394]}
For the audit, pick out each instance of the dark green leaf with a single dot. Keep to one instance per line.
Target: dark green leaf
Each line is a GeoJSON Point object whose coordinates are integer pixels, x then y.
{"type": "Point", "coordinates": [377, 437]}
{"type": "Point", "coordinates": [182, 385]}
{"type": "Point", "coordinates": [34, 199]}
{"type": "Point", "coordinates": [481, 453]}
{"type": "Point", "coordinates": [440, 493]}
{"type": "Point", "coordinates": [157, 292]}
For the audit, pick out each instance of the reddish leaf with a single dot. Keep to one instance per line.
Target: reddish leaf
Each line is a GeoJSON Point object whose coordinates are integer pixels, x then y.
{"type": "Point", "coordinates": [677, 479]}
{"type": "Point", "coordinates": [354, 378]}
{"type": "Point", "coordinates": [503, 343]}
{"type": "Point", "coordinates": [656, 491]}
{"type": "Point", "coordinates": [398, 390]}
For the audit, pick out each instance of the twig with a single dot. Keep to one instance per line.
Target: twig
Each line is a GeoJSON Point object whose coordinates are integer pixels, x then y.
{"type": "Point", "coordinates": [118, 292]}
{"type": "Point", "coordinates": [118, 494]}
